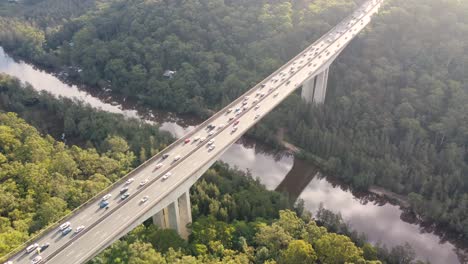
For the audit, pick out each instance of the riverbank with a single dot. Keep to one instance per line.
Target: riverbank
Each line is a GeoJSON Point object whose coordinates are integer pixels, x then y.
{"type": "Point", "coordinates": [271, 166]}
{"type": "Point", "coordinates": [400, 199]}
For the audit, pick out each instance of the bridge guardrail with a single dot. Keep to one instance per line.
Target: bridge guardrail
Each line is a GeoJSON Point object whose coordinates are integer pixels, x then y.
{"type": "Point", "coordinates": [98, 196]}
{"type": "Point", "coordinates": [235, 139]}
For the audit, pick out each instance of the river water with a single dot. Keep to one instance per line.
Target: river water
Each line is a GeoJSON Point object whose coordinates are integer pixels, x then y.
{"type": "Point", "coordinates": [381, 221]}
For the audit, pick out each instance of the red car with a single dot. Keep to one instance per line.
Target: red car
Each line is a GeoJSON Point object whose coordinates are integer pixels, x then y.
{"type": "Point", "coordinates": [237, 122]}
{"type": "Point", "coordinates": [187, 141]}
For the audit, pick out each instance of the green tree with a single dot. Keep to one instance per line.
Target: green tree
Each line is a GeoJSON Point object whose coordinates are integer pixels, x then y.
{"type": "Point", "coordinates": [298, 251]}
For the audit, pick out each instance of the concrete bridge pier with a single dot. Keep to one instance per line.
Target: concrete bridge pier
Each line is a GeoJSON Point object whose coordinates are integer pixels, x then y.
{"type": "Point", "coordinates": [315, 89]}
{"type": "Point", "coordinates": [176, 215]}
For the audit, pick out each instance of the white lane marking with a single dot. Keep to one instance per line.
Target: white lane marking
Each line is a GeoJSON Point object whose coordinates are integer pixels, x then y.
{"type": "Point", "coordinates": [282, 86]}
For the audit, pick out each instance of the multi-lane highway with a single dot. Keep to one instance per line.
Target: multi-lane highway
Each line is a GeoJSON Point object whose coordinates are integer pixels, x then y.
{"type": "Point", "coordinates": [104, 225]}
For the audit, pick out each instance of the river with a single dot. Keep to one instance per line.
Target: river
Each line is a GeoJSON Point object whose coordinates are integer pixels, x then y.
{"type": "Point", "coordinates": [381, 221]}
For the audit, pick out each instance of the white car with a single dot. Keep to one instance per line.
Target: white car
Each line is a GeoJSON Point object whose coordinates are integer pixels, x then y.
{"type": "Point", "coordinates": [144, 199]}
{"type": "Point", "coordinates": [159, 165]}
{"type": "Point", "coordinates": [176, 158]}
{"type": "Point", "coordinates": [256, 107]}
{"type": "Point", "coordinates": [32, 247]}
{"type": "Point", "coordinates": [234, 129]}
{"type": "Point", "coordinates": [64, 225]}
{"type": "Point", "coordinates": [257, 116]}
{"type": "Point", "coordinates": [220, 126]}
{"type": "Point", "coordinates": [276, 94]}
{"type": "Point", "coordinates": [229, 110]}
{"type": "Point", "coordinates": [145, 181]}
{"type": "Point", "coordinates": [36, 260]}
{"type": "Point", "coordinates": [129, 181]}
{"type": "Point", "coordinates": [79, 229]}
{"type": "Point", "coordinates": [211, 133]}
{"type": "Point", "coordinates": [107, 197]}
{"type": "Point", "coordinates": [211, 147]}
{"type": "Point", "coordinates": [202, 139]}
{"type": "Point", "coordinates": [210, 142]}
{"type": "Point", "coordinates": [196, 138]}
{"type": "Point", "coordinates": [166, 176]}
{"type": "Point", "coordinates": [246, 98]}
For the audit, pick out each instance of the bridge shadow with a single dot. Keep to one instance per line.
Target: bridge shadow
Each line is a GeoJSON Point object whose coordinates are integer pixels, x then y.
{"type": "Point", "coordinates": [297, 179]}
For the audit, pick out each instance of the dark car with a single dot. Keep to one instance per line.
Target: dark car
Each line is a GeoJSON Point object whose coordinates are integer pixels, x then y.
{"type": "Point", "coordinates": [44, 247]}
{"type": "Point", "coordinates": [103, 204]}
{"type": "Point", "coordinates": [165, 156]}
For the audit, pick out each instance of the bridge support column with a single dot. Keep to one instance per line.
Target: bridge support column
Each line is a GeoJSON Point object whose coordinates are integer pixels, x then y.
{"type": "Point", "coordinates": [176, 216]}
{"type": "Point", "coordinates": [315, 89]}
{"type": "Point", "coordinates": [185, 212]}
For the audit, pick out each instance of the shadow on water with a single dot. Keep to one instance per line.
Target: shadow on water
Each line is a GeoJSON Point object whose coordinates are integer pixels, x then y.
{"type": "Point", "coordinates": [296, 180]}
{"type": "Point", "coordinates": [367, 213]}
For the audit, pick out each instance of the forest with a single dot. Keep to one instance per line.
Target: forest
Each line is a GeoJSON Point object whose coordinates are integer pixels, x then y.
{"type": "Point", "coordinates": [218, 48]}
{"type": "Point", "coordinates": [77, 123]}
{"type": "Point", "coordinates": [236, 220]}
{"type": "Point", "coordinates": [395, 115]}
{"type": "Point", "coordinates": [42, 180]}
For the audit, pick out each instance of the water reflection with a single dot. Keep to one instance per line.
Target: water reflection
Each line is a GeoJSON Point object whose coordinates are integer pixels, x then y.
{"type": "Point", "coordinates": [379, 220]}
{"type": "Point", "coordinates": [262, 162]}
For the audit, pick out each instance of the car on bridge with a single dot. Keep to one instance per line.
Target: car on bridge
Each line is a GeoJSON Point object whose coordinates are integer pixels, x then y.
{"type": "Point", "coordinates": [165, 156]}
{"type": "Point", "coordinates": [32, 247]}
{"type": "Point", "coordinates": [124, 196]}
{"type": "Point", "coordinates": [36, 260]}
{"type": "Point", "coordinates": [129, 181]}
{"type": "Point", "coordinates": [187, 140]}
{"type": "Point", "coordinates": [66, 231]}
{"type": "Point", "coordinates": [64, 225]}
{"type": "Point", "coordinates": [106, 197]}
{"type": "Point", "coordinates": [79, 229]}
{"type": "Point", "coordinates": [124, 189]}
{"type": "Point", "coordinates": [103, 204]}
{"type": "Point", "coordinates": [143, 182]}
{"type": "Point", "coordinates": [159, 165]}
{"type": "Point", "coordinates": [43, 247]}
{"type": "Point", "coordinates": [144, 199]}
{"type": "Point", "coordinates": [176, 158]}
{"type": "Point", "coordinates": [166, 176]}
{"type": "Point", "coordinates": [210, 148]}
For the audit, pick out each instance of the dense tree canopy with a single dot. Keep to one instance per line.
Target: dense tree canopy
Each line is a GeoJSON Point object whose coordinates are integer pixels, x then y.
{"type": "Point", "coordinates": [41, 179]}
{"type": "Point", "coordinates": [218, 48]}
{"type": "Point", "coordinates": [396, 111]}
{"type": "Point", "coordinates": [77, 123]}
{"type": "Point", "coordinates": [233, 213]}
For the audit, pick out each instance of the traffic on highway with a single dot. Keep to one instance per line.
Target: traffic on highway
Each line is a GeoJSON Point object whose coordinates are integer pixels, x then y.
{"type": "Point", "coordinates": [103, 217]}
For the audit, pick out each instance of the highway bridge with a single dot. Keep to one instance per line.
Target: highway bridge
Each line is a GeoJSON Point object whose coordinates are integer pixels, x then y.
{"type": "Point", "coordinates": [166, 178]}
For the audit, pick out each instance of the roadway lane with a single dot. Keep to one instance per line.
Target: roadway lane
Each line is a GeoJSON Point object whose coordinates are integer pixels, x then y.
{"type": "Point", "coordinates": [315, 56]}
{"type": "Point", "coordinates": [114, 226]}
